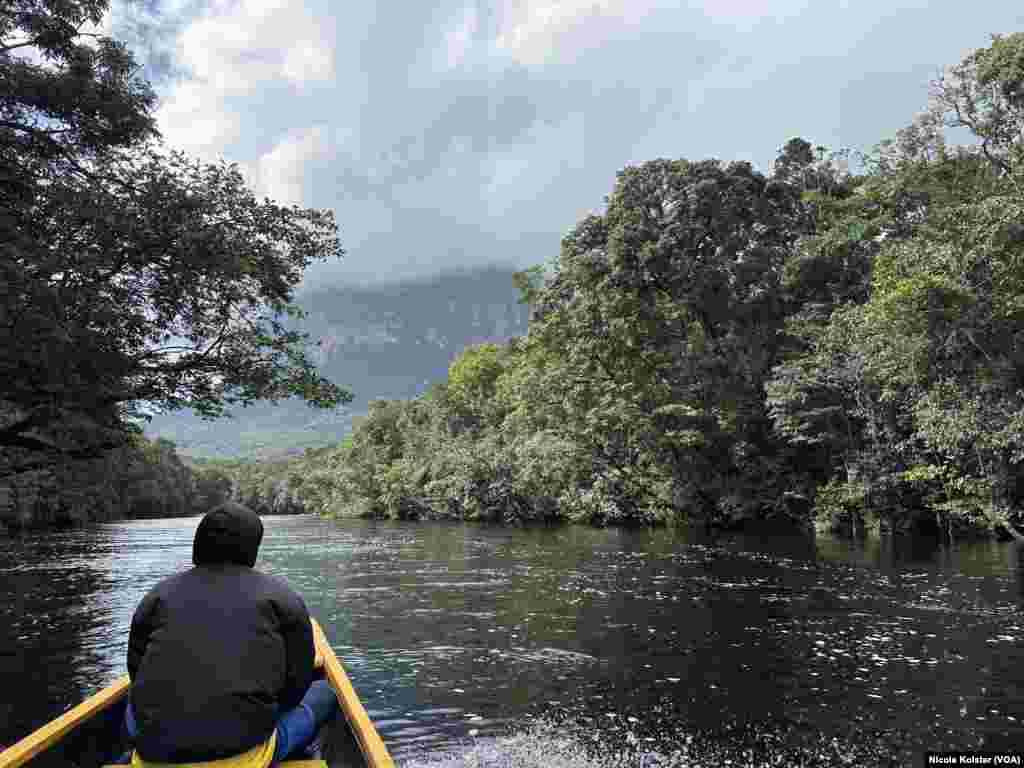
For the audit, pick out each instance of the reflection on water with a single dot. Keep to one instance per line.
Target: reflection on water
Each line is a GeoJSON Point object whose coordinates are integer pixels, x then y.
{"type": "Point", "coordinates": [457, 635]}
{"type": "Point", "coordinates": [66, 599]}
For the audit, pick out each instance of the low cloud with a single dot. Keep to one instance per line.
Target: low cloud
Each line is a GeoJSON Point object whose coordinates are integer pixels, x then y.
{"type": "Point", "coordinates": [534, 32]}
{"type": "Point", "coordinates": [473, 132]}
{"type": "Point", "coordinates": [194, 120]}
{"type": "Point", "coordinates": [280, 174]}
{"type": "Point", "coordinates": [459, 37]}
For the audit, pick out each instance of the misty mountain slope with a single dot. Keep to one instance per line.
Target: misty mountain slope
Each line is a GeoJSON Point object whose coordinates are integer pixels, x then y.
{"type": "Point", "coordinates": [387, 341]}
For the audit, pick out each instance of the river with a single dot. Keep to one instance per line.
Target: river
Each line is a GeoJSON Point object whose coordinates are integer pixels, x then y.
{"type": "Point", "coordinates": [469, 641]}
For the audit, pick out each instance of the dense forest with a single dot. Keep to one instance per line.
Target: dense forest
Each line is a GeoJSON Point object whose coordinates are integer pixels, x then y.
{"type": "Point", "coordinates": [832, 342]}
{"type": "Point", "coordinates": [143, 478]}
{"type": "Point", "coordinates": [814, 345]}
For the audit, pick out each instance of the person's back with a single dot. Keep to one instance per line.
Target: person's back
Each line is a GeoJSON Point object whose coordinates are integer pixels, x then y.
{"type": "Point", "coordinates": [218, 653]}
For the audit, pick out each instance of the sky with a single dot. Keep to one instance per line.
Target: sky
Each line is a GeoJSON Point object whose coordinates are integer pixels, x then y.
{"type": "Point", "coordinates": [450, 135]}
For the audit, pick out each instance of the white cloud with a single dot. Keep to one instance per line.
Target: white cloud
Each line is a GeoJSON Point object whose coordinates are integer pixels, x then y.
{"type": "Point", "coordinates": [237, 50]}
{"type": "Point", "coordinates": [280, 174]}
{"type": "Point", "coordinates": [193, 119]}
{"type": "Point", "coordinates": [737, 8]}
{"type": "Point", "coordinates": [749, 14]}
{"type": "Point", "coordinates": [262, 9]}
{"type": "Point", "coordinates": [460, 37]}
{"type": "Point", "coordinates": [534, 31]}
{"type": "Point", "coordinates": [308, 61]}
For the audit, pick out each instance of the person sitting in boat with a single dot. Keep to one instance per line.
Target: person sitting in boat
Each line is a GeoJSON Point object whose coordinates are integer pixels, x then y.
{"type": "Point", "coordinates": [221, 658]}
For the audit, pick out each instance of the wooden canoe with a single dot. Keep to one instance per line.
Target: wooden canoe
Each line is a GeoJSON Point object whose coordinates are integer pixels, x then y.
{"type": "Point", "coordinates": [90, 736]}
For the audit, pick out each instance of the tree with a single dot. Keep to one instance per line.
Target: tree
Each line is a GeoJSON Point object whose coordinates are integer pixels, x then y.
{"type": "Point", "coordinates": [666, 309]}
{"type": "Point", "coordinates": [985, 93]}
{"type": "Point", "coordinates": [472, 383]}
{"type": "Point", "coordinates": [946, 326]}
{"type": "Point", "coordinates": [809, 169]}
{"type": "Point", "coordinates": [171, 290]}
{"type": "Point", "coordinates": [529, 283]}
{"type": "Point", "coordinates": [130, 275]}
{"type": "Point", "coordinates": [913, 385]}
{"type": "Point", "coordinates": [949, 298]}
{"type": "Point", "coordinates": [88, 101]}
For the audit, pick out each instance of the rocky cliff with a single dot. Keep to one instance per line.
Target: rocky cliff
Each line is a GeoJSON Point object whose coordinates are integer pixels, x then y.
{"type": "Point", "coordinates": [276, 499]}
{"type": "Point", "coordinates": [393, 340]}
{"type": "Point", "coordinates": [389, 341]}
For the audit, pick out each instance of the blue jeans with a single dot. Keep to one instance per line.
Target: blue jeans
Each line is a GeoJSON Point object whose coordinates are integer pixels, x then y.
{"type": "Point", "coordinates": [296, 728]}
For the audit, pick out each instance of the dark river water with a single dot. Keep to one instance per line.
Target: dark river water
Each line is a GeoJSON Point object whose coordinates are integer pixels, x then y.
{"type": "Point", "coordinates": [643, 647]}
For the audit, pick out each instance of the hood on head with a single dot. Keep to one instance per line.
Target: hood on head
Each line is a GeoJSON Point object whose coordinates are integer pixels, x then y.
{"type": "Point", "coordinates": [230, 533]}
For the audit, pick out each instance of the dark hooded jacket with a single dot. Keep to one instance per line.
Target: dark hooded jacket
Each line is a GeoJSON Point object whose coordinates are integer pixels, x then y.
{"type": "Point", "coordinates": [216, 652]}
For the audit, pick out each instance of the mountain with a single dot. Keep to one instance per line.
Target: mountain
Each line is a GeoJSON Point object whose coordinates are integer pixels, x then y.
{"type": "Point", "coordinates": [388, 341]}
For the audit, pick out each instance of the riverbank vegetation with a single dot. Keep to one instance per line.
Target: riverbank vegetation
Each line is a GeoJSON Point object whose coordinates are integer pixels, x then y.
{"type": "Point", "coordinates": [268, 487]}
{"type": "Point", "coordinates": [139, 479]}
{"type": "Point", "coordinates": [739, 348]}
{"type": "Point", "coordinates": [132, 277]}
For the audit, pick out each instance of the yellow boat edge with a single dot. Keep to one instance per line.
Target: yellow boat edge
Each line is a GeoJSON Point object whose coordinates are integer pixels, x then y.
{"type": "Point", "coordinates": [55, 730]}
{"type": "Point", "coordinates": [370, 742]}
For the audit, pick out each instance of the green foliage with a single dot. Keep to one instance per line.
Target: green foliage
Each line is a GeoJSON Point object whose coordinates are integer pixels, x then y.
{"type": "Point", "coordinates": [529, 283]}
{"type": "Point", "coordinates": [984, 94]}
{"type": "Point", "coordinates": [131, 274]}
{"type": "Point", "coordinates": [471, 387]}
{"type": "Point", "coordinates": [92, 99]}
{"type": "Point", "coordinates": [840, 504]}
{"type": "Point", "coordinates": [914, 385]}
